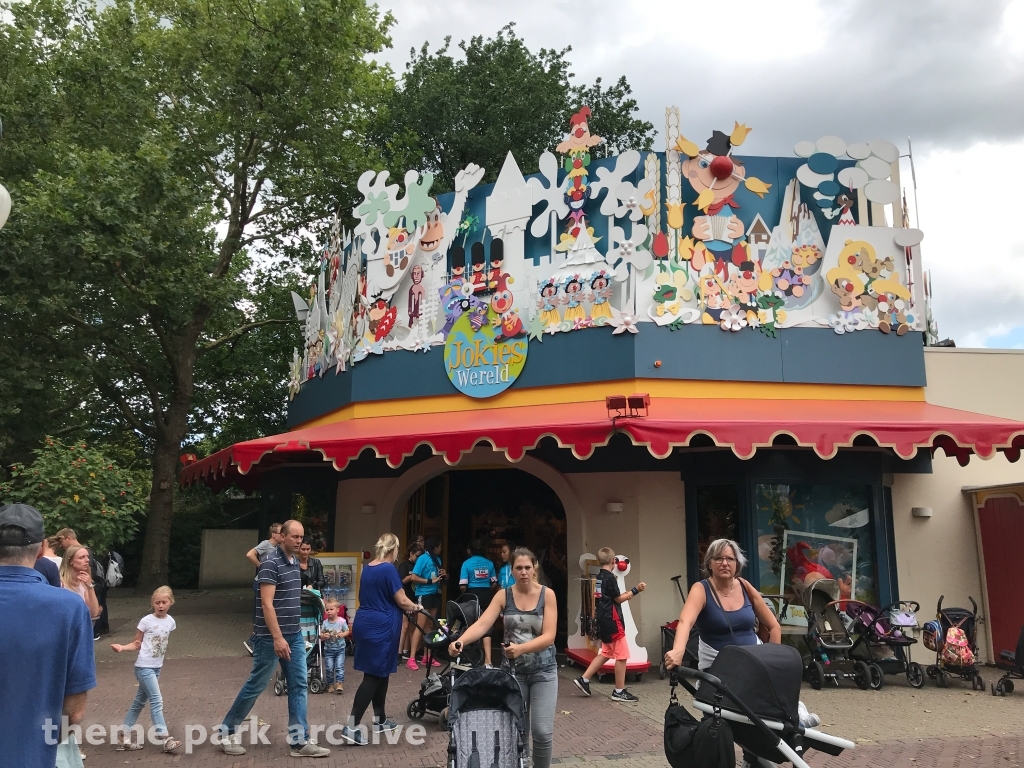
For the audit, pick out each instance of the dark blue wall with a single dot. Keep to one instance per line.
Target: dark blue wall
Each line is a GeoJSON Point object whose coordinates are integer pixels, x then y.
{"type": "Point", "coordinates": [696, 352]}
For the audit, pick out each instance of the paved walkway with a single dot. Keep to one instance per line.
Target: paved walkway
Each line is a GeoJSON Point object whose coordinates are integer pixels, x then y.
{"type": "Point", "coordinates": [206, 665]}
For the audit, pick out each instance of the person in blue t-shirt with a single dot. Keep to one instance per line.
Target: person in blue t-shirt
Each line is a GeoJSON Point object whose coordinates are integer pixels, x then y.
{"type": "Point", "coordinates": [505, 577]}
{"type": "Point", "coordinates": [427, 576]}
{"type": "Point", "coordinates": [46, 666]}
{"type": "Point", "coordinates": [478, 578]}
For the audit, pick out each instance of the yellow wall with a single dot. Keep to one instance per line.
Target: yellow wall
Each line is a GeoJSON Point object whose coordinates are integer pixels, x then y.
{"type": "Point", "coordinates": [939, 555]}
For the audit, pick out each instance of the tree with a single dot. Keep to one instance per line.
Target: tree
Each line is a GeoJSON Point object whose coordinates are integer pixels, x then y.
{"type": "Point", "coordinates": [75, 486]}
{"type": "Point", "coordinates": [500, 96]}
{"type": "Point", "coordinates": [155, 150]}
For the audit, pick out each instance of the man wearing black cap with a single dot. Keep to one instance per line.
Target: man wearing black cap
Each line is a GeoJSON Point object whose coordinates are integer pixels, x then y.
{"type": "Point", "coordinates": [46, 666]}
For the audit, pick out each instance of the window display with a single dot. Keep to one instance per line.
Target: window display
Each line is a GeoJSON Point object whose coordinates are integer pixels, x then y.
{"type": "Point", "coordinates": [810, 532]}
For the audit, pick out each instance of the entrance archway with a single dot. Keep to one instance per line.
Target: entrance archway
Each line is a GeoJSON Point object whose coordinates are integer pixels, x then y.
{"type": "Point", "coordinates": [496, 506]}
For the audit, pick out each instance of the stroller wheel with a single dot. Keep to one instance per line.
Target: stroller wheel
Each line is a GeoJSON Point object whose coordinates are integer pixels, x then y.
{"type": "Point", "coordinates": [1007, 686]}
{"type": "Point", "coordinates": [279, 688]}
{"type": "Point", "coordinates": [815, 675]}
{"type": "Point", "coordinates": [416, 709]}
{"type": "Point", "coordinates": [877, 677]}
{"type": "Point", "coordinates": [662, 671]}
{"type": "Point", "coordinates": [442, 719]}
{"type": "Point", "coordinates": [862, 675]}
{"type": "Point", "coordinates": [940, 678]}
{"type": "Point", "coordinates": [915, 675]}
{"type": "Point", "coordinates": [978, 683]}
{"type": "Point", "coordinates": [315, 685]}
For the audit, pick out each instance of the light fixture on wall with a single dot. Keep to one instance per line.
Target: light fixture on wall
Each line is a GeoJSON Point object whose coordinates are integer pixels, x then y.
{"type": "Point", "coordinates": [921, 511]}
{"type": "Point", "coordinates": [614, 507]}
{"type": "Point", "coordinates": [369, 509]}
{"type": "Point", "coordinates": [627, 406]}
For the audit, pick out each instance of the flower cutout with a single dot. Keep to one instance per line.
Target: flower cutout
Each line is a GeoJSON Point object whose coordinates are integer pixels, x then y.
{"type": "Point", "coordinates": [623, 323]}
{"type": "Point", "coordinates": [581, 322]}
{"type": "Point", "coordinates": [734, 318]}
{"type": "Point", "coordinates": [675, 214]}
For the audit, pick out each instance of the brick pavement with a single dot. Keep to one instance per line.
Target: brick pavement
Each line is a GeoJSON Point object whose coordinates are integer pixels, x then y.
{"type": "Point", "coordinates": [894, 728]}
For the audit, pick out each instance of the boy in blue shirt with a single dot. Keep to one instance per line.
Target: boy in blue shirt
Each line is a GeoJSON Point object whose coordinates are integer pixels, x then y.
{"type": "Point", "coordinates": [478, 578]}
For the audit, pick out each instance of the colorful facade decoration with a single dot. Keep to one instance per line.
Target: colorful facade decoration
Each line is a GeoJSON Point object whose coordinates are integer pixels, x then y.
{"type": "Point", "coordinates": [650, 241]}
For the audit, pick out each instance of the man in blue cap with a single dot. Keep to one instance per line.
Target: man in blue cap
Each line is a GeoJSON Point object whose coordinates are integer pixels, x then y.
{"type": "Point", "coordinates": [46, 648]}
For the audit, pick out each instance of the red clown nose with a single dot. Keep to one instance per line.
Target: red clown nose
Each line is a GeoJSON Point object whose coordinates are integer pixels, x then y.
{"type": "Point", "coordinates": [622, 565]}
{"type": "Point", "coordinates": [721, 167]}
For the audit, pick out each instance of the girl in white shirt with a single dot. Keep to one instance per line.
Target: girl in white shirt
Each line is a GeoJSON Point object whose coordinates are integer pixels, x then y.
{"type": "Point", "coordinates": [151, 642]}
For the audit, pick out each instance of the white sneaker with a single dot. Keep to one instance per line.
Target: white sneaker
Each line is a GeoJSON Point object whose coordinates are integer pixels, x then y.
{"type": "Point", "coordinates": [309, 749]}
{"type": "Point", "coordinates": [232, 745]}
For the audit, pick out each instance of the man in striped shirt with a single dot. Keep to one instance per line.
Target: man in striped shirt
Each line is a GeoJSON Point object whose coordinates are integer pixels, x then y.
{"type": "Point", "coordinates": [277, 636]}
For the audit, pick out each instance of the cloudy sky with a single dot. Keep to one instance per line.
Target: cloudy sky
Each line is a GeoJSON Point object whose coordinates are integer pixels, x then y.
{"type": "Point", "coordinates": [947, 73]}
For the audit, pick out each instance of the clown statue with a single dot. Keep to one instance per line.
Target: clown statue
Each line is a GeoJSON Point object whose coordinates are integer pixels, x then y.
{"type": "Point", "coordinates": [506, 322]}
{"type": "Point", "coordinates": [715, 175]}
{"type": "Point", "coordinates": [576, 149]}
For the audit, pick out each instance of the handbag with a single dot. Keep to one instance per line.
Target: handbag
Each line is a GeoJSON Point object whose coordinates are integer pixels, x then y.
{"type": "Point", "coordinates": [707, 743]}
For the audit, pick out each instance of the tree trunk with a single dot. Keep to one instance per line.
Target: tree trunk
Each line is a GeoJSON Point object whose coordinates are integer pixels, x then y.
{"type": "Point", "coordinates": [156, 547]}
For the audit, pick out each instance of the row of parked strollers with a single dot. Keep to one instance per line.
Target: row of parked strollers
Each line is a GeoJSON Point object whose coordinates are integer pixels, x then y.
{"type": "Point", "coordinates": [851, 640]}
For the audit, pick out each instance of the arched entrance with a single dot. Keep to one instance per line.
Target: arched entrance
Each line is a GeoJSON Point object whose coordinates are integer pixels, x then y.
{"type": "Point", "coordinates": [496, 505]}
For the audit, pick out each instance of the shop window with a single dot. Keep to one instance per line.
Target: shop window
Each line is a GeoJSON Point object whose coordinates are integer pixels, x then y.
{"type": "Point", "coordinates": [808, 532]}
{"type": "Point", "coordinates": [718, 510]}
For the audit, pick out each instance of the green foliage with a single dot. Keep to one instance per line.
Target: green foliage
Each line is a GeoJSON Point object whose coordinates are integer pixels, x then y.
{"type": "Point", "coordinates": [75, 486]}
{"type": "Point", "coordinates": [167, 160]}
{"type": "Point", "coordinates": [498, 96]}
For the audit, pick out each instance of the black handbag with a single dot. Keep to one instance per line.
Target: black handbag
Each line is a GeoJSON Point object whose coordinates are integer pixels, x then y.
{"type": "Point", "coordinates": [690, 743]}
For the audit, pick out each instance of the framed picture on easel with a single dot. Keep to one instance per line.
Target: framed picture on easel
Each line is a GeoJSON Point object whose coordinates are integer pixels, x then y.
{"type": "Point", "coordinates": [813, 556]}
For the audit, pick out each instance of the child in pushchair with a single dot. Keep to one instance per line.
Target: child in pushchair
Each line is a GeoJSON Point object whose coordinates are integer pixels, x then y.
{"type": "Point", "coordinates": [436, 687]}
{"type": "Point", "coordinates": [755, 690]}
{"type": "Point", "coordinates": [883, 640]}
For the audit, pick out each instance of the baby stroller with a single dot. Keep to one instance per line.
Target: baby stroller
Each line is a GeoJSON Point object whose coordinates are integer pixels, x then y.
{"type": "Point", "coordinates": [828, 640]}
{"type": "Point", "coordinates": [1004, 684]}
{"type": "Point", "coordinates": [668, 639]}
{"type": "Point", "coordinates": [883, 640]}
{"type": "Point", "coordinates": [756, 690]}
{"type": "Point", "coordinates": [488, 721]}
{"type": "Point", "coordinates": [953, 637]}
{"type": "Point", "coordinates": [311, 618]}
{"type": "Point", "coordinates": [436, 687]}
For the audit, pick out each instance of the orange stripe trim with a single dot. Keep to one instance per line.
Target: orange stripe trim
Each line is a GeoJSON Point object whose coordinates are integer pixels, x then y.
{"type": "Point", "coordinates": [597, 391]}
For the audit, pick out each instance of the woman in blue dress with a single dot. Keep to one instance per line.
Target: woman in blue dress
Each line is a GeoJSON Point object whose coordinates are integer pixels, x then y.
{"type": "Point", "coordinates": [376, 629]}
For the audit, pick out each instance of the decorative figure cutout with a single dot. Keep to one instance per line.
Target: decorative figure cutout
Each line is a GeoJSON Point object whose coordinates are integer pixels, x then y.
{"type": "Point", "coordinates": [548, 304]}
{"type": "Point", "coordinates": [576, 190]}
{"type": "Point", "coordinates": [869, 291]}
{"type": "Point", "coordinates": [715, 175]}
{"type": "Point", "coordinates": [506, 320]}
{"type": "Point", "coordinates": [416, 292]}
{"type": "Point", "coordinates": [572, 298]}
{"type": "Point", "coordinates": [600, 297]}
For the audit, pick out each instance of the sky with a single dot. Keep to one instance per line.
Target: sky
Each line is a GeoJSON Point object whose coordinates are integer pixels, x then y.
{"type": "Point", "coordinates": [948, 74]}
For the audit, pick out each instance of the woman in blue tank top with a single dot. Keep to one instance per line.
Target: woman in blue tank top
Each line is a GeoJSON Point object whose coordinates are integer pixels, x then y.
{"type": "Point", "coordinates": [723, 608]}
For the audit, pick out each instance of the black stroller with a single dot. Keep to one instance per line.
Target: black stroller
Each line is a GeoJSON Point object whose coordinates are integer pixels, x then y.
{"type": "Point", "coordinates": [488, 720]}
{"type": "Point", "coordinates": [828, 640]}
{"type": "Point", "coordinates": [311, 618]}
{"type": "Point", "coordinates": [756, 689]}
{"type": "Point", "coordinates": [668, 639]}
{"type": "Point", "coordinates": [436, 687]}
{"type": "Point", "coordinates": [1015, 660]}
{"type": "Point", "coordinates": [941, 632]}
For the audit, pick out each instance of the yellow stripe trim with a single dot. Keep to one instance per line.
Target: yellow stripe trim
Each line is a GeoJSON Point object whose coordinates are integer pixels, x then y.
{"type": "Point", "coordinates": [597, 391]}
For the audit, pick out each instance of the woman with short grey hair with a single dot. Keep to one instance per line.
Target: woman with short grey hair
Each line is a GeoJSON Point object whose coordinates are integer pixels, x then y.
{"type": "Point", "coordinates": [723, 607]}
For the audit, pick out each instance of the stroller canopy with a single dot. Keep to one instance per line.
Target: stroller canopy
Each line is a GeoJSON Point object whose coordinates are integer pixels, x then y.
{"type": "Point", "coordinates": [311, 604]}
{"type": "Point", "coordinates": [828, 587]}
{"type": "Point", "coordinates": [493, 689]}
{"type": "Point", "coordinates": [765, 677]}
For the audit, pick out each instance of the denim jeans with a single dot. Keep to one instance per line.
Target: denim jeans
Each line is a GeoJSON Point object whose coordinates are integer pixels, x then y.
{"type": "Point", "coordinates": [264, 660]}
{"type": "Point", "coordinates": [149, 690]}
{"type": "Point", "coordinates": [540, 690]}
{"type": "Point", "coordinates": [334, 663]}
